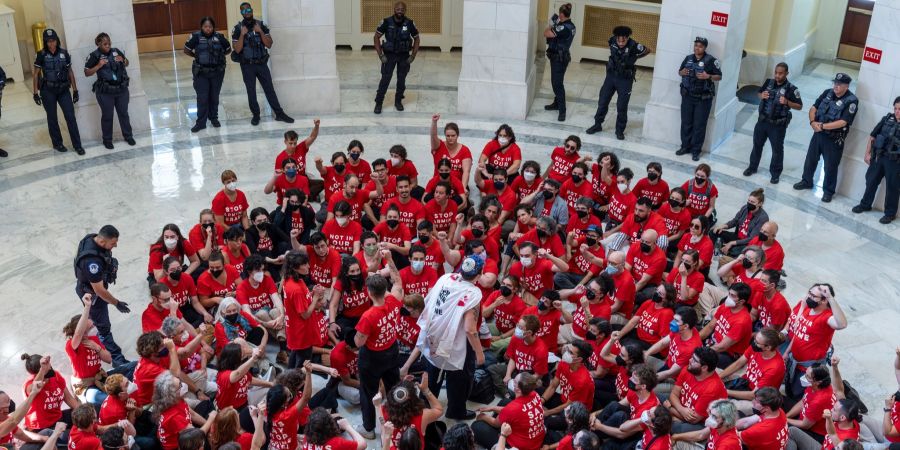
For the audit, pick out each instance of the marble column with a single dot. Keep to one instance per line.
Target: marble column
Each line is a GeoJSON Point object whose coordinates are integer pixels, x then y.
{"type": "Point", "coordinates": [303, 59]}
{"type": "Point", "coordinates": [497, 78]}
{"type": "Point", "coordinates": [78, 22]}
{"type": "Point", "coordinates": [680, 22]}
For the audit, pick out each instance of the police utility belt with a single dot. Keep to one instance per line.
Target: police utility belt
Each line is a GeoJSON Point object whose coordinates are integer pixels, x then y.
{"type": "Point", "coordinates": [198, 69]}
{"type": "Point", "coordinates": [780, 121]}
{"type": "Point", "coordinates": [54, 84]}
{"type": "Point", "coordinates": [623, 73]}
{"type": "Point", "coordinates": [102, 86]}
{"type": "Point", "coordinates": [685, 92]}
{"type": "Point", "coordinates": [559, 56]}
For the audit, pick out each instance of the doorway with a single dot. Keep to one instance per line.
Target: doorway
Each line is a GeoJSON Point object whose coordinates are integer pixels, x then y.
{"type": "Point", "coordinates": [164, 25]}
{"type": "Point", "coordinates": [855, 30]}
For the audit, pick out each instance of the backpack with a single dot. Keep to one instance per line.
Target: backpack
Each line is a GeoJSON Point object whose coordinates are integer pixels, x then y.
{"type": "Point", "coordinates": [482, 387]}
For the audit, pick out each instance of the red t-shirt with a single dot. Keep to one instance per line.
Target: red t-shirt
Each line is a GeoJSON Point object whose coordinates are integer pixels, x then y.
{"type": "Point", "coordinates": [344, 360]}
{"type": "Point", "coordinates": [152, 319]}
{"type": "Point", "coordinates": [501, 159]}
{"type": "Point", "coordinates": [579, 265]}
{"type": "Point", "coordinates": [553, 244]}
{"type": "Point", "coordinates": [410, 213]}
{"type": "Point", "coordinates": [362, 170]}
{"type": "Point", "coordinates": [637, 407]}
{"type": "Point", "coordinates": [602, 191]}
{"type": "Point", "coordinates": [773, 312]}
{"type": "Point", "coordinates": [842, 434]}
{"type": "Point", "coordinates": [596, 361]}
{"type": "Point", "coordinates": [456, 186]}
{"type": "Point", "coordinates": [704, 247]}
{"type": "Point", "coordinates": [230, 210]}
{"type": "Point", "coordinates": [603, 309]}
{"type": "Point", "coordinates": [245, 440]}
{"type": "Point", "coordinates": [508, 199]}
{"type": "Point", "coordinates": [895, 419]}
{"type": "Point", "coordinates": [301, 333]}
{"type": "Point", "coordinates": [334, 181]}
{"type": "Point", "coordinates": [680, 350]}
{"type": "Point", "coordinates": [737, 326]}
{"type": "Point", "coordinates": [335, 443]}
{"type": "Point", "coordinates": [577, 226]}
{"type": "Point", "coordinates": [207, 286]}
{"type": "Point", "coordinates": [379, 323]}
{"type": "Point", "coordinates": [299, 155]}
{"type": "Point", "coordinates": [45, 410]}
{"type": "Point", "coordinates": [415, 423]}
{"type": "Point", "coordinates": [85, 362]}
{"type": "Point", "coordinates": [285, 425]}
{"type": "Point", "coordinates": [221, 336]}
{"type": "Point", "coordinates": [507, 315]}
{"type": "Point", "coordinates": [549, 331]}
{"type": "Point", "coordinates": [570, 192]}
{"type": "Point", "coordinates": [171, 422]}
{"type": "Point", "coordinates": [282, 185]}
{"type": "Point", "coordinates": [697, 395]}
{"type": "Point", "coordinates": [653, 264]}
{"type": "Point", "coordinates": [698, 200]}
{"type": "Point", "coordinates": [810, 334]}
{"type": "Point", "coordinates": [774, 254]}
{"type": "Point", "coordinates": [657, 193]}
{"type": "Point", "coordinates": [158, 253]}
{"type": "Point", "coordinates": [397, 236]}
{"type": "Point", "coordinates": [763, 372]}
{"type": "Point", "coordinates": [814, 403]}
{"type": "Point", "coordinates": [355, 302]}
{"type": "Point", "coordinates": [561, 164]}
{"type": "Point", "coordinates": [342, 238]}
{"type": "Point", "coordinates": [456, 161]}
{"type": "Point", "coordinates": [232, 394]}
{"type": "Point", "coordinates": [575, 385]}
{"type": "Point", "coordinates": [183, 291]}
{"type": "Point", "coordinates": [324, 269]}
{"type": "Point", "coordinates": [408, 330]}
{"type": "Point", "coordinates": [727, 441]}
{"type": "Point", "coordinates": [236, 260]}
{"type": "Point", "coordinates": [649, 442]}
{"type": "Point", "coordinates": [84, 439]}
{"type": "Point", "coordinates": [675, 221]}
{"type": "Point", "coordinates": [523, 189]}
{"type": "Point", "coordinates": [112, 410]}
{"type": "Point", "coordinates": [197, 237]}
{"type": "Point", "coordinates": [359, 199]}
{"type": "Point", "coordinates": [528, 358]}
{"type": "Point", "coordinates": [768, 434]}
{"type": "Point", "coordinates": [257, 297]}
{"type": "Point", "coordinates": [653, 322]}
{"type": "Point", "coordinates": [695, 281]}
{"type": "Point", "coordinates": [535, 279]}
{"type": "Point", "coordinates": [625, 291]}
{"type": "Point", "coordinates": [490, 239]}
{"type": "Point", "coordinates": [633, 230]}
{"type": "Point", "coordinates": [441, 218]}
{"type": "Point", "coordinates": [407, 168]}
{"type": "Point", "coordinates": [525, 415]}
{"type": "Point", "coordinates": [621, 205]}
{"type": "Point", "coordinates": [418, 284]}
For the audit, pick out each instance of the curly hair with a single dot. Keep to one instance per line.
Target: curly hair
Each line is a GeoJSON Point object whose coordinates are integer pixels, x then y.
{"type": "Point", "coordinates": [293, 380]}
{"type": "Point", "coordinates": [166, 393]}
{"type": "Point", "coordinates": [224, 428]}
{"type": "Point", "coordinates": [113, 384]}
{"type": "Point", "coordinates": [148, 344]}
{"type": "Point", "coordinates": [403, 404]}
{"type": "Point", "coordinates": [578, 418]}
{"type": "Point", "coordinates": [320, 427]}
{"type": "Point", "coordinates": [69, 329]}
{"type": "Point", "coordinates": [459, 437]}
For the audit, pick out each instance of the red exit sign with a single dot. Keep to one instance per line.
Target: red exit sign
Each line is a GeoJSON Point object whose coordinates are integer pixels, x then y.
{"type": "Point", "coordinates": [872, 55]}
{"type": "Point", "coordinates": [719, 18]}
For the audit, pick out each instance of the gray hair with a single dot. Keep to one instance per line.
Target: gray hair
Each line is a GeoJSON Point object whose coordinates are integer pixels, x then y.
{"type": "Point", "coordinates": [585, 201]}
{"type": "Point", "coordinates": [549, 223]}
{"type": "Point", "coordinates": [166, 392]}
{"type": "Point", "coordinates": [223, 305]}
{"type": "Point", "coordinates": [170, 326]}
{"type": "Point", "coordinates": [726, 410]}
{"type": "Point", "coordinates": [758, 251]}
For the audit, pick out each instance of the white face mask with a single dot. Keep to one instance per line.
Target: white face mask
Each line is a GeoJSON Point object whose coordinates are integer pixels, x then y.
{"type": "Point", "coordinates": [92, 331]}
{"type": "Point", "coordinates": [696, 239]}
{"type": "Point", "coordinates": [417, 266]}
{"type": "Point", "coordinates": [729, 302]}
{"type": "Point", "coordinates": [711, 422]}
{"type": "Point", "coordinates": [529, 176]}
{"type": "Point", "coordinates": [395, 162]}
{"type": "Point", "coordinates": [805, 382]}
{"type": "Point", "coordinates": [645, 417]}
{"type": "Point", "coordinates": [170, 243]}
{"type": "Point", "coordinates": [184, 389]}
{"type": "Point", "coordinates": [231, 186]}
{"type": "Point", "coordinates": [567, 358]}
{"type": "Point", "coordinates": [258, 276]}
{"type": "Point", "coordinates": [503, 140]}
{"type": "Point", "coordinates": [185, 336]}
{"type": "Point", "coordinates": [622, 187]}
{"type": "Point", "coordinates": [525, 261]}
{"type": "Point", "coordinates": [341, 221]}
{"type": "Point", "coordinates": [132, 388]}
{"type": "Point", "coordinates": [519, 333]}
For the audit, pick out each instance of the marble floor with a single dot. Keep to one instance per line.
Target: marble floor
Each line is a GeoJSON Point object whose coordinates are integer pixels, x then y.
{"type": "Point", "coordinates": [51, 200]}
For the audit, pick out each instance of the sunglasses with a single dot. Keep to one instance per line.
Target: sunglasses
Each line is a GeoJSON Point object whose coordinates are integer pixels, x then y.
{"type": "Point", "coordinates": [247, 11]}
{"type": "Point", "coordinates": [570, 147]}
{"type": "Point", "coordinates": [695, 227]}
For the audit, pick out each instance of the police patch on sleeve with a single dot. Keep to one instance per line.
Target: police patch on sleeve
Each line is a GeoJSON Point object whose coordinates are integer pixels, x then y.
{"type": "Point", "coordinates": [94, 268]}
{"type": "Point", "coordinates": [717, 64]}
{"type": "Point", "coordinates": [797, 92]}
{"type": "Point", "coordinates": [853, 108]}
{"type": "Point", "coordinates": [560, 28]}
{"type": "Point", "coordinates": [640, 47]}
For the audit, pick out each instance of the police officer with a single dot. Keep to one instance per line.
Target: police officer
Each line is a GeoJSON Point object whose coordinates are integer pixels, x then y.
{"type": "Point", "coordinates": [95, 269]}
{"type": "Point", "coordinates": [777, 98]}
{"type": "Point", "coordinates": [620, 70]}
{"type": "Point", "coordinates": [560, 34]}
{"type": "Point", "coordinates": [883, 158]}
{"type": "Point", "coordinates": [251, 41]}
{"type": "Point", "coordinates": [111, 87]}
{"type": "Point", "coordinates": [3, 153]}
{"type": "Point", "coordinates": [697, 71]}
{"type": "Point", "coordinates": [830, 118]}
{"type": "Point", "coordinates": [400, 36]}
{"type": "Point", "coordinates": [208, 49]}
{"type": "Point", "coordinates": [53, 77]}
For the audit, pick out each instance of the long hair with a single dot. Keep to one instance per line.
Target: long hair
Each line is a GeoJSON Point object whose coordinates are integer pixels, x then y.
{"type": "Point", "coordinates": [224, 429]}
{"type": "Point", "coordinates": [276, 400]}
{"type": "Point", "coordinates": [320, 427]}
{"type": "Point", "coordinates": [346, 263]}
{"type": "Point", "coordinates": [579, 418]}
{"type": "Point", "coordinates": [166, 394]}
{"type": "Point", "coordinates": [403, 404]}
{"type": "Point", "coordinates": [161, 242]}
{"type": "Point", "coordinates": [69, 329]}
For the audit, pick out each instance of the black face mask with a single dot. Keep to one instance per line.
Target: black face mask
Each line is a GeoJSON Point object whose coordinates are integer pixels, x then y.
{"type": "Point", "coordinates": [542, 306]}
{"type": "Point", "coordinates": [751, 207]}
{"type": "Point", "coordinates": [581, 214]}
{"type": "Point", "coordinates": [620, 361]}
{"type": "Point", "coordinates": [673, 203]}
{"type": "Point", "coordinates": [652, 176]}
{"type": "Point", "coordinates": [756, 412]}
{"type": "Point", "coordinates": [762, 237]}
{"type": "Point", "coordinates": [755, 346]}
{"type": "Point", "coordinates": [747, 263]}
{"type": "Point", "coordinates": [577, 179]}
{"type": "Point", "coordinates": [262, 226]}
{"type": "Point", "coordinates": [231, 317]}
{"type": "Point", "coordinates": [444, 175]}
{"type": "Point", "coordinates": [632, 386]}
{"type": "Point", "coordinates": [424, 239]}
{"type": "Point", "coordinates": [392, 223]}
{"type": "Point", "coordinates": [698, 180]}
{"type": "Point", "coordinates": [50, 374]}
{"type": "Point", "coordinates": [645, 247]}
{"type": "Point", "coordinates": [505, 291]}
{"type": "Point", "coordinates": [548, 195]}
{"type": "Point", "coordinates": [542, 234]}
{"type": "Point", "coordinates": [176, 275]}
{"type": "Point", "coordinates": [897, 396]}
{"type": "Point", "coordinates": [657, 298]}
{"type": "Point", "coordinates": [589, 294]}
{"type": "Point", "coordinates": [209, 226]}
{"type": "Point", "coordinates": [163, 353]}
{"type": "Point", "coordinates": [590, 242]}
{"type": "Point", "coordinates": [356, 278]}
{"type": "Point", "coordinates": [477, 233]}
{"type": "Point", "coordinates": [404, 312]}
{"type": "Point", "coordinates": [339, 167]}
{"type": "Point", "coordinates": [216, 273]}
{"type": "Point", "coordinates": [811, 303]}
{"type": "Point", "coordinates": [590, 336]}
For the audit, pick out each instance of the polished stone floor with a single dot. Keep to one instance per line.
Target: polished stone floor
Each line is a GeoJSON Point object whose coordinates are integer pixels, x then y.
{"type": "Point", "coordinates": [51, 200]}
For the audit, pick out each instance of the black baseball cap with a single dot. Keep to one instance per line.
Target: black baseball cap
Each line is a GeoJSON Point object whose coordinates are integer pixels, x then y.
{"type": "Point", "coordinates": [701, 40]}
{"type": "Point", "coordinates": [842, 77]}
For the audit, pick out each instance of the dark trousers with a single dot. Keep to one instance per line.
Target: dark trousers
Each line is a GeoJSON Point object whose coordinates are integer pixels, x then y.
{"type": "Point", "coordinates": [883, 167]}
{"type": "Point", "coordinates": [398, 61]}
{"type": "Point", "coordinates": [251, 73]}
{"type": "Point", "coordinates": [62, 97]}
{"type": "Point", "coordinates": [775, 134]}
{"type": "Point", "coordinates": [614, 84]}
{"type": "Point", "coordinates": [728, 236]}
{"type": "Point", "coordinates": [821, 145]}
{"type": "Point", "coordinates": [694, 117]}
{"type": "Point", "coordinates": [375, 367]}
{"type": "Point", "coordinates": [558, 66]}
{"type": "Point", "coordinates": [207, 85]}
{"type": "Point", "coordinates": [298, 357]}
{"type": "Point", "coordinates": [100, 316]}
{"type": "Point", "coordinates": [459, 384]}
{"type": "Point", "coordinates": [119, 102]}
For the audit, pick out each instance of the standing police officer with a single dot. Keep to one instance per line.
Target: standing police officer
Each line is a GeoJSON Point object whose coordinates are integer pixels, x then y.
{"type": "Point", "coordinates": [208, 49]}
{"type": "Point", "coordinates": [251, 41]}
{"type": "Point", "coordinates": [111, 87]}
{"type": "Point", "coordinates": [620, 70]}
{"type": "Point", "coordinates": [778, 97]}
{"type": "Point", "coordinates": [95, 269]}
{"type": "Point", "coordinates": [698, 71]}
{"type": "Point", "coordinates": [560, 34]}
{"type": "Point", "coordinates": [883, 158]}
{"type": "Point", "coordinates": [830, 118]}
{"type": "Point", "coordinates": [400, 34]}
{"type": "Point", "coordinates": [52, 79]}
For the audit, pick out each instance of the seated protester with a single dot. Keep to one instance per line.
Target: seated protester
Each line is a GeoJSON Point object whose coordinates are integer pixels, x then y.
{"type": "Point", "coordinates": [696, 238]}
{"type": "Point", "coordinates": [590, 300]}
{"type": "Point", "coordinates": [730, 325]}
{"type": "Point", "coordinates": [536, 268]}
{"type": "Point", "coordinates": [719, 430]}
{"type": "Point", "coordinates": [630, 355]}
{"type": "Point", "coordinates": [388, 191]}
{"type": "Point", "coordinates": [418, 277]}
{"type": "Point", "coordinates": [523, 224]}
{"type": "Point", "coordinates": [764, 367]}
{"type": "Point", "coordinates": [582, 219]}
{"type": "Point", "coordinates": [324, 431]}
{"type": "Point", "coordinates": [891, 422]}
{"type": "Point", "coordinates": [604, 372]}
{"type": "Point", "coordinates": [444, 170]}
{"type": "Point", "coordinates": [294, 213]}
{"type": "Point", "coordinates": [287, 410]}
{"type": "Point", "coordinates": [652, 187]}
{"type": "Point", "coordinates": [766, 239]}
{"type": "Point", "coordinates": [497, 186]}
{"type": "Point", "coordinates": [267, 241]}
{"type": "Point", "coordinates": [578, 428]}
{"type": "Point", "coordinates": [746, 223]}
{"type": "Point", "coordinates": [344, 358]}
{"type": "Point", "coordinates": [479, 228]}
{"type": "Point", "coordinates": [646, 262]}
{"type": "Point", "coordinates": [356, 164]}
{"type": "Point", "coordinates": [404, 409]}
{"type": "Point", "coordinates": [172, 413]}
{"type": "Point", "coordinates": [545, 235]}
{"type": "Point", "coordinates": [687, 279]}
{"type": "Point", "coordinates": [171, 243]}
{"type": "Point", "coordinates": [623, 300]}
{"type": "Point", "coordinates": [400, 165]}
{"type": "Point", "coordinates": [86, 354]}
{"type": "Point", "coordinates": [651, 322]}
{"type": "Point", "coordinates": [502, 309]}
{"type": "Point", "coordinates": [184, 293]}
{"type": "Point", "coordinates": [677, 348]}
{"type": "Point", "coordinates": [701, 193]}
{"type": "Point", "coordinates": [349, 296]}
{"type": "Point", "coordinates": [434, 256]}
{"type": "Point", "coordinates": [154, 360]}
{"type": "Point", "coordinates": [441, 210]}
{"type": "Point", "coordinates": [574, 383]}
{"type": "Point", "coordinates": [332, 179]}
{"type": "Point", "coordinates": [621, 421]}
{"type": "Point", "coordinates": [489, 272]}
{"type": "Point", "coordinates": [297, 150]}
{"type": "Point", "coordinates": [117, 406]}
{"type": "Point", "coordinates": [45, 408]}
{"type": "Point", "coordinates": [657, 424]}
{"type": "Point", "coordinates": [546, 201]}
{"type": "Point", "coordinates": [524, 415]}
{"type": "Point", "coordinates": [562, 159]}
{"type": "Point", "coordinates": [525, 353]}
{"type": "Point", "coordinates": [807, 415]}
{"type": "Point", "coordinates": [768, 428]}
{"type": "Point", "coordinates": [695, 389]}
{"type": "Point", "coordinates": [549, 310]}
{"type": "Point", "coordinates": [84, 432]}
{"type": "Point", "coordinates": [411, 210]}
{"type": "Point", "coordinates": [770, 309]}
{"type": "Point", "coordinates": [586, 257]}
{"type": "Point", "coordinates": [842, 422]}
{"type": "Point", "coordinates": [369, 256]}
{"type": "Point", "coordinates": [676, 217]}
{"type": "Point", "coordinates": [809, 331]}
{"type": "Point", "coordinates": [234, 378]}
{"type": "Point", "coordinates": [408, 326]}
{"type": "Point", "coordinates": [501, 152]}
{"type": "Point", "coordinates": [206, 235]}
{"type": "Point", "coordinates": [324, 261]}
{"type": "Point", "coordinates": [603, 181]}
{"type": "Point", "coordinates": [233, 324]}
{"type": "Point", "coordinates": [451, 150]}
{"type": "Point", "coordinates": [258, 296]}
{"type": "Point", "coordinates": [226, 430]}
{"type": "Point", "coordinates": [322, 342]}
{"type": "Point", "coordinates": [192, 353]}
{"type": "Point", "coordinates": [358, 199]}
{"type": "Point", "coordinates": [160, 307]}
{"type": "Point", "coordinates": [230, 205]}
{"type": "Point", "coordinates": [529, 182]}
{"type": "Point", "coordinates": [393, 233]}
{"type": "Point", "coordinates": [633, 227]}
{"type": "Point", "coordinates": [301, 330]}
{"type": "Point", "coordinates": [235, 251]}
{"type": "Point", "coordinates": [289, 177]}
{"type": "Point", "coordinates": [575, 187]}
{"type": "Point", "coordinates": [622, 201]}
{"type": "Point", "coordinates": [342, 231]}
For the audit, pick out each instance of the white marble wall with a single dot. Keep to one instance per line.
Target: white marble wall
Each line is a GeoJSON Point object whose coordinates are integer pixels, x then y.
{"type": "Point", "coordinates": [497, 78]}
{"type": "Point", "coordinates": [680, 22]}
{"type": "Point", "coordinates": [78, 23]}
{"type": "Point", "coordinates": [302, 57]}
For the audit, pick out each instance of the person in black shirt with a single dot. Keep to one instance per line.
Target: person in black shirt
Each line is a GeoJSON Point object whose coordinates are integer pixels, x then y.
{"type": "Point", "coordinates": [111, 87]}
{"type": "Point", "coordinates": [400, 36]}
{"type": "Point", "coordinates": [883, 158]}
{"type": "Point", "coordinates": [777, 98]}
{"type": "Point", "coordinates": [620, 70]}
{"type": "Point", "coordinates": [208, 49]}
{"type": "Point", "coordinates": [51, 83]}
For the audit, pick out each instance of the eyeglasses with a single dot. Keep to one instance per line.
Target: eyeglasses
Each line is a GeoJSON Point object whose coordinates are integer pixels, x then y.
{"type": "Point", "coordinates": [695, 227]}
{"type": "Point", "coordinates": [571, 147]}
{"type": "Point", "coordinates": [247, 11]}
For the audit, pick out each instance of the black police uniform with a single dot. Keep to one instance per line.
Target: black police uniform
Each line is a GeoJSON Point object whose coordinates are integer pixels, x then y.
{"type": "Point", "coordinates": [94, 264]}
{"type": "Point", "coordinates": [54, 90]}
{"type": "Point", "coordinates": [696, 100]}
{"type": "Point", "coordinates": [397, 44]}
{"type": "Point", "coordinates": [254, 58]}
{"type": "Point", "coordinates": [772, 124]}
{"type": "Point", "coordinates": [884, 164]}
{"type": "Point", "coordinates": [829, 144]}
{"type": "Point", "coordinates": [209, 72]}
{"type": "Point", "coordinates": [620, 71]}
{"type": "Point", "coordinates": [559, 56]}
{"type": "Point", "coordinates": [111, 89]}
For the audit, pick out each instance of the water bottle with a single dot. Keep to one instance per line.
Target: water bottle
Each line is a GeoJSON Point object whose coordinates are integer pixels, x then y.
{"type": "Point", "coordinates": [114, 77]}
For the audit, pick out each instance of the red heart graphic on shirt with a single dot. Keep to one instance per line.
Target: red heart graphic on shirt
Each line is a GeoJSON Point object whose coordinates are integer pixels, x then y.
{"type": "Point", "coordinates": [461, 303]}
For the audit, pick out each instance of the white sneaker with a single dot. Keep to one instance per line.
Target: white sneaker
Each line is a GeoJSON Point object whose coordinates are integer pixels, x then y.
{"type": "Point", "coordinates": [369, 435]}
